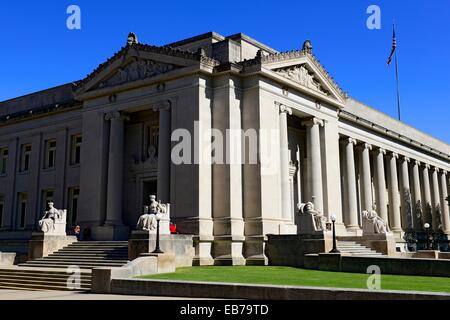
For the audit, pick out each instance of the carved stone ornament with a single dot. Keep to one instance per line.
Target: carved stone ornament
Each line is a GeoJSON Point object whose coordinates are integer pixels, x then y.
{"type": "Point", "coordinates": [137, 70]}
{"type": "Point", "coordinates": [302, 76]}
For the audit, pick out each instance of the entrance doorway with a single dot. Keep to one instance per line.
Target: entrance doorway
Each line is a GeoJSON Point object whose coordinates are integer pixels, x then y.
{"type": "Point", "coordinates": [149, 187]}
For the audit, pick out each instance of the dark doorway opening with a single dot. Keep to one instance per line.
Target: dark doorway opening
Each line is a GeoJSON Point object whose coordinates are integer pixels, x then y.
{"type": "Point", "coordinates": [149, 188]}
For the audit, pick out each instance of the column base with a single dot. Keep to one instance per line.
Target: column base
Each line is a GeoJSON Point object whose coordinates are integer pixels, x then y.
{"type": "Point", "coordinates": [398, 233]}
{"type": "Point", "coordinates": [203, 246]}
{"type": "Point", "coordinates": [110, 233]}
{"type": "Point", "coordinates": [228, 250]}
{"type": "Point", "coordinates": [354, 231]}
{"type": "Point", "coordinates": [341, 230]}
{"type": "Point", "coordinates": [254, 251]}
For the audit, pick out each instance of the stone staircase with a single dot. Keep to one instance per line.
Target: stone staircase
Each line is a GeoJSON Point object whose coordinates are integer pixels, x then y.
{"type": "Point", "coordinates": [355, 249]}
{"type": "Point", "coordinates": [50, 273]}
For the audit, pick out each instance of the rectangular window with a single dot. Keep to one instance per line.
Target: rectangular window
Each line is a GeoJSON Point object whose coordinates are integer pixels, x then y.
{"type": "Point", "coordinates": [22, 210]}
{"type": "Point", "coordinates": [2, 209]}
{"type": "Point", "coordinates": [25, 157]}
{"type": "Point", "coordinates": [75, 154]}
{"type": "Point", "coordinates": [74, 194]}
{"type": "Point", "coordinates": [50, 154]}
{"type": "Point", "coordinates": [3, 160]}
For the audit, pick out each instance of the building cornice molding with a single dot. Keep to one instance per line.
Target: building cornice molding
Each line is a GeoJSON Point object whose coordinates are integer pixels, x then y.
{"type": "Point", "coordinates": [344, 115]}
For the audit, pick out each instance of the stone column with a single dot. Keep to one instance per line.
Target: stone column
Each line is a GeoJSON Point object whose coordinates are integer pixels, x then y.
{"type": "Point", "coordinates": [445, 204]}
{"type": "Point", "coordinates": [417, 207]}
{"type": "Point", "coordinates": [351, 221]}
{"type": "Point", "coordinates": [394, 199]}
{"type": "Point", "coordinates": [284, 164]}
{"type": "Point", "coordinates": [366, 185]}
{"type": "Point", "coordinates": [164, 143]}
{"type": "Point", "coordinates": [406, 195]}
{"type": "Point", "coordinates": [314, 161]}
{"type": "Point", "coordinates": [427, 210]}
{"type": "Point", "coordinates": [115, 170]}
{"type": "Point", "coordinates": [437, 207]}
{"type": "Point", "coordinates": [381, 184]}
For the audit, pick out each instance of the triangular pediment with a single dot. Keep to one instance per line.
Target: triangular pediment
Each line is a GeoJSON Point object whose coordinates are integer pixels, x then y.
{"type": "Point", "coordinates": [135, 64]}
{"type": "Point", "coordinates": [136, 69]}
{"type": "Point", "coordinates": [306, 72]}
{"type": "Point", "coordinates": [303, 76]}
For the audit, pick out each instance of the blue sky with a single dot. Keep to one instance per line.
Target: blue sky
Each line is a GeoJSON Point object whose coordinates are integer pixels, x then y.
{"type": "Point", "coordinates": [38, 51]}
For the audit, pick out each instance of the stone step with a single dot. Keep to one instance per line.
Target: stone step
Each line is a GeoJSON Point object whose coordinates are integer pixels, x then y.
{"type": "Point", "coordinates": [95, 249]}
{"type": "Point", "coordinates": [353, 250]}
{"type": "Point", "coordinates": [111, 244]}
{"type": "Point", "coordinates": [40, 287]}
{"type": "Point", "coordinates": [83, 259]}
{"type": "Point", "coordinates": [61, 266]}
{"type": "Point", "coordinates": [49, 281]}
{"type": "Point", "coordinates": [101, 242]}
{"type": "Point", "coordinates": [87, 255]}
{"type": "Point", "coordinates": [80, 263]}
{"type": "Point", "coordinates": [46, 271]}
{"type": "Point", "coordinates": [41, 275]}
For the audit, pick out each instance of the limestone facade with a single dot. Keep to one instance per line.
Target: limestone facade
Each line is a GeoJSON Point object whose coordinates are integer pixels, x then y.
{"type": "Point", "coordinates": [100, 146]}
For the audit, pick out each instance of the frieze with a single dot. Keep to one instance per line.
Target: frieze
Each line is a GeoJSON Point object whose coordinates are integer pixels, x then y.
{"type": "Point", "coordinates": [137, 70]}
{"type": "Point", "coordinates": [301, 75]}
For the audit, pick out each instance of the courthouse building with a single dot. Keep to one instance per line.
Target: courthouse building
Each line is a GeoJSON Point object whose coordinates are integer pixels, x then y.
{"type": "Point", "coordinates": [100, 146]}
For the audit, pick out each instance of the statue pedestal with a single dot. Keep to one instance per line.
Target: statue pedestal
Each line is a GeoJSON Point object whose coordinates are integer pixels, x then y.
{"type": "Point", "coordinates": [43, 244]}
{"type": "Point", "coordinates": [144, 242]}
{"type": "Point", "coordinates": [306, 225]}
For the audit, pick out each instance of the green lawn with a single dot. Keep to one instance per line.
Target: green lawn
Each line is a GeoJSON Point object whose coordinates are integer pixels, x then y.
{"type": "Point", "coordinates": [302, 277]}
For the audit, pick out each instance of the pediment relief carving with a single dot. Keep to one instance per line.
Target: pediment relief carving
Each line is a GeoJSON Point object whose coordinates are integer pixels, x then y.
{"type": "Point", "coordinates": [138, 69]}
{"type": "Point", "coordinates": [301, 75]}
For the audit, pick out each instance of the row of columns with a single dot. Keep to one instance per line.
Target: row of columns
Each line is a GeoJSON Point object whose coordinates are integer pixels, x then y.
{"type": "Point", "coordinates": [402, 211]}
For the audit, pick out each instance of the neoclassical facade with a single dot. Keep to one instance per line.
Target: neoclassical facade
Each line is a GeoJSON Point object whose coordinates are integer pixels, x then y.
{"type": "Point", "coordinates": [100, 146]}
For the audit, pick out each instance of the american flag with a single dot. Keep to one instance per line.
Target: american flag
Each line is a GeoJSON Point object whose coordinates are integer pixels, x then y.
{"type": "Point", "coordinates": [394, 46]}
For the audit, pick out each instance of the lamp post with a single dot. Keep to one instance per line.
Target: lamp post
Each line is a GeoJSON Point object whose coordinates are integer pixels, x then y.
{"type": "Point", "coordinates": [157, 249]}
{"type": "Point", "coordinates": [333, 220]}
{"type": "Point", "coordinates": [427, 230]}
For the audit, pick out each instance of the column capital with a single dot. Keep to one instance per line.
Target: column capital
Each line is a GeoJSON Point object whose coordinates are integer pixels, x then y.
{"type": "Point", "coordinates": [405, 158]}
{"type": "Point", "coordinates": [436, 169]}
{"type": "Point", "coordinates": [393, 155]}
{"type": "Point", "coordinates": [162, 105]}
{"type": "Point", "coordinates": [378, 151]}
{"type": "Point", "coordinates": [312, 122]}
{"type": "Point", "coordinates": [444, 172]}
{"type": "Point", "coordinates": [348, 140]}
{"type": "Point", "coordinates": [116, 115]}
{"type": "Point", "coordinates": [417, 163]}
{"type": "Point", "coordinates": [364, 146]}
{"type": "Point", "coordinates": [426, 166]}
{"type": "Point", "coordinates": [284, 109]}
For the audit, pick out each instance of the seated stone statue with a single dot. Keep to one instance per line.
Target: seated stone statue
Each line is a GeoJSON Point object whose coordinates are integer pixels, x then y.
{"type": "Point", "coordinates": [148, 221]}
{"type": "Point", "coordinates": [311, 218]}
{"type": "Point", "coordinates": [372, 223]}
{"type": "Point", "coordinates": [53, 221]}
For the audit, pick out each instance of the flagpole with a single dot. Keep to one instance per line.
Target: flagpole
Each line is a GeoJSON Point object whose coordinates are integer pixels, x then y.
{"type": "Point", "coordinates": [398, 87]}
{"type": "Point", "coordinates": [396, 76]}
